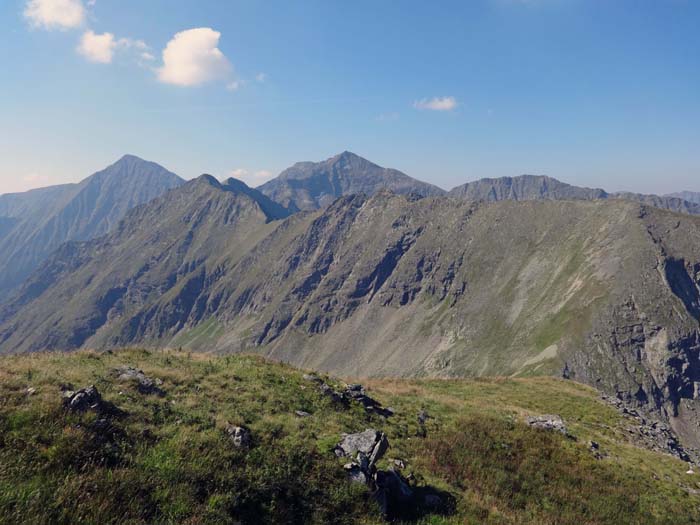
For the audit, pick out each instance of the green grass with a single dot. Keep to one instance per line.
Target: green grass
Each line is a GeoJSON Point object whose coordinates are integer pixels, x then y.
{"type": "Point", "coordinates": [168, 459]}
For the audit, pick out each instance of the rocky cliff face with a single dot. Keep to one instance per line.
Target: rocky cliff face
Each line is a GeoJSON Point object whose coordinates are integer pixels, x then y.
{"type": "Point", "coordinates": [314, 185]}
{"type": "Point", "coordinates": [37, 222]}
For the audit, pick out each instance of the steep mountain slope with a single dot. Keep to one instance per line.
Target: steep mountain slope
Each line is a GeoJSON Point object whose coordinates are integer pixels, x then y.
{"type": "Point", "coordinates": [314, 185]}
{"type": "Point", "coordinates": [36, 202]}
{"type": "Point", "coordinates": [160, 253]}
{"type": "Point", "coordinates": [690, 196]}
{"type": "Point", "coordinates": [39, 221]}
{"type": "Point", "coordinates": [540, 187]}
{"type": "Point", "coordinates": [607, 292]}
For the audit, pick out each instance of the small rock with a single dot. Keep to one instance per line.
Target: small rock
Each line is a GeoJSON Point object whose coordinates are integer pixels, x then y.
{"type": "Point", "coordinates": [356, 392]}
{"type": "Point", "coordinates": [399, 463]}
{"type": "Point", "coordinates": [355, 473]}
{"type": "Point", "coordinates": [423, 417]}
{"type": "Point", "coordinates": [145, 384]}
{"type": "Point", "coordinates": [312, 377]}
{"type": "Point", "coordinates": [548, 422]}
{"type": "Point", "coordinates": [334, 395]}
{"type": "Point", "coordinates": [30, 391]}
{"type": "Point", "coordinates": [301, 413]}
{"type": "Point", "coordinates": [690, 471]}
{"type": "Point", "coordinates": [240, 436]}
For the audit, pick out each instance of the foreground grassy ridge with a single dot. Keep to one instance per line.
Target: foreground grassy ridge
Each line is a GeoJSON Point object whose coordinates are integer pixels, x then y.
{"type": "Point", "coordinates": [168, 460]}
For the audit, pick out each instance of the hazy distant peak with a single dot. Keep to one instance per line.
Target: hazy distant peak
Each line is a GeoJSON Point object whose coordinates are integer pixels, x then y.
{"type": "Point", "coordinates": [314, 185]}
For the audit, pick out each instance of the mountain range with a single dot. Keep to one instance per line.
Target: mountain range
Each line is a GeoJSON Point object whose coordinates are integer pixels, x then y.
{"type": "Point", "coordinates": [519, 276]}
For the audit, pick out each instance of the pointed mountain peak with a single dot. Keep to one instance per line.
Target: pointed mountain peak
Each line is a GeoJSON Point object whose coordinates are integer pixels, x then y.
{"type": "Point", "coordinates": [348, 157]}
{"type": "Point", "coordinates": [208, 180]}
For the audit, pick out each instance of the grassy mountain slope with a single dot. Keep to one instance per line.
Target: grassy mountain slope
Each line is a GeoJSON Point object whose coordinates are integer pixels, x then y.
{"type": "Point", "coordinates": [168, 459]}
{"type": "Point", "coordinates": [45, 219]}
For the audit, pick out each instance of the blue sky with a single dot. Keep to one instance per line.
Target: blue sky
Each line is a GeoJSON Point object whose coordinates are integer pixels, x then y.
{"type": "Point", "coordinates": [593, 92]}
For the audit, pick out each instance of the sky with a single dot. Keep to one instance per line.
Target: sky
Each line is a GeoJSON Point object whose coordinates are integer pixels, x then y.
{"type": "Point", "coordinates": [593, 92]}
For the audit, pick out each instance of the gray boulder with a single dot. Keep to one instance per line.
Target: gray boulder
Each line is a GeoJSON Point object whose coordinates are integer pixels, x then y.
{"type": "Point", "coordinates": [240, 436]}
{"type": "Point", "coordinates": [372, 443]}
{"type": "Point", "coordinates": [82, 400]}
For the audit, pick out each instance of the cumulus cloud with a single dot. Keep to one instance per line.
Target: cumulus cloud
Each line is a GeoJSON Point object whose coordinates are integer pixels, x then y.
{"type": "Point", "coordinates": [192, 58]}
{"type": "Point", "coordinates": [436, 103]}
{"type": "Point", "coordinates": [97, 48]}
{"type": "Point", "coordinates": [55, 14]}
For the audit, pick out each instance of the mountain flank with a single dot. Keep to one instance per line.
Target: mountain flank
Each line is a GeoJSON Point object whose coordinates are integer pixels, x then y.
{"type": "Point", "coordinates": [35, 223]}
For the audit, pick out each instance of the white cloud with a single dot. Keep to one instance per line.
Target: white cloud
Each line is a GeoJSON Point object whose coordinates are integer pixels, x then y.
{"type": "Point", "coordinates": [192, 58]}
{"type": "Point", "coordinates": [436, 104]}
{"type": "Point", "coordinates": [97, 48]}
{"type": "Point", "coordinates": [55, 14]}
{"type": "Point", "coordinates": [252, 179]}
{"type": "Point", "coordinates": [102, 48]}
{"type": "Point", "coordinates": [261, 77]}
{"type": "Point", "coordinates": [235, 85]}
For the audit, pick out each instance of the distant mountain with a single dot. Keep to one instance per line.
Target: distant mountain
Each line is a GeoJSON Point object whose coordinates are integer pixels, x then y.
{"type": "Point", "coordinates": [690, 196]}
{"type": "Point", "coordinates": [524, 188]}
{"type": "Point", "coordinates": [314, 185]}
{"type": "Point", "coordinates": [33, 224]}
{"type": "Point", "coordinates": [540, 187]}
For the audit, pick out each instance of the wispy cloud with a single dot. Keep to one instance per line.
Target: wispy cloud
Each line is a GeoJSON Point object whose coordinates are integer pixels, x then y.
{"type": "Point", "coordinates": [192, 58]}
{"type": "Point", "coordinates": [254, 178]}
{"type": "Point", "coordinates": [261, 77]}
{"type": "Point", "coordinates": [101, 48]}
{"type": "Point", "coordinates": [436, 104]}
{"type": "Point", "coordinates": [55, 14]}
